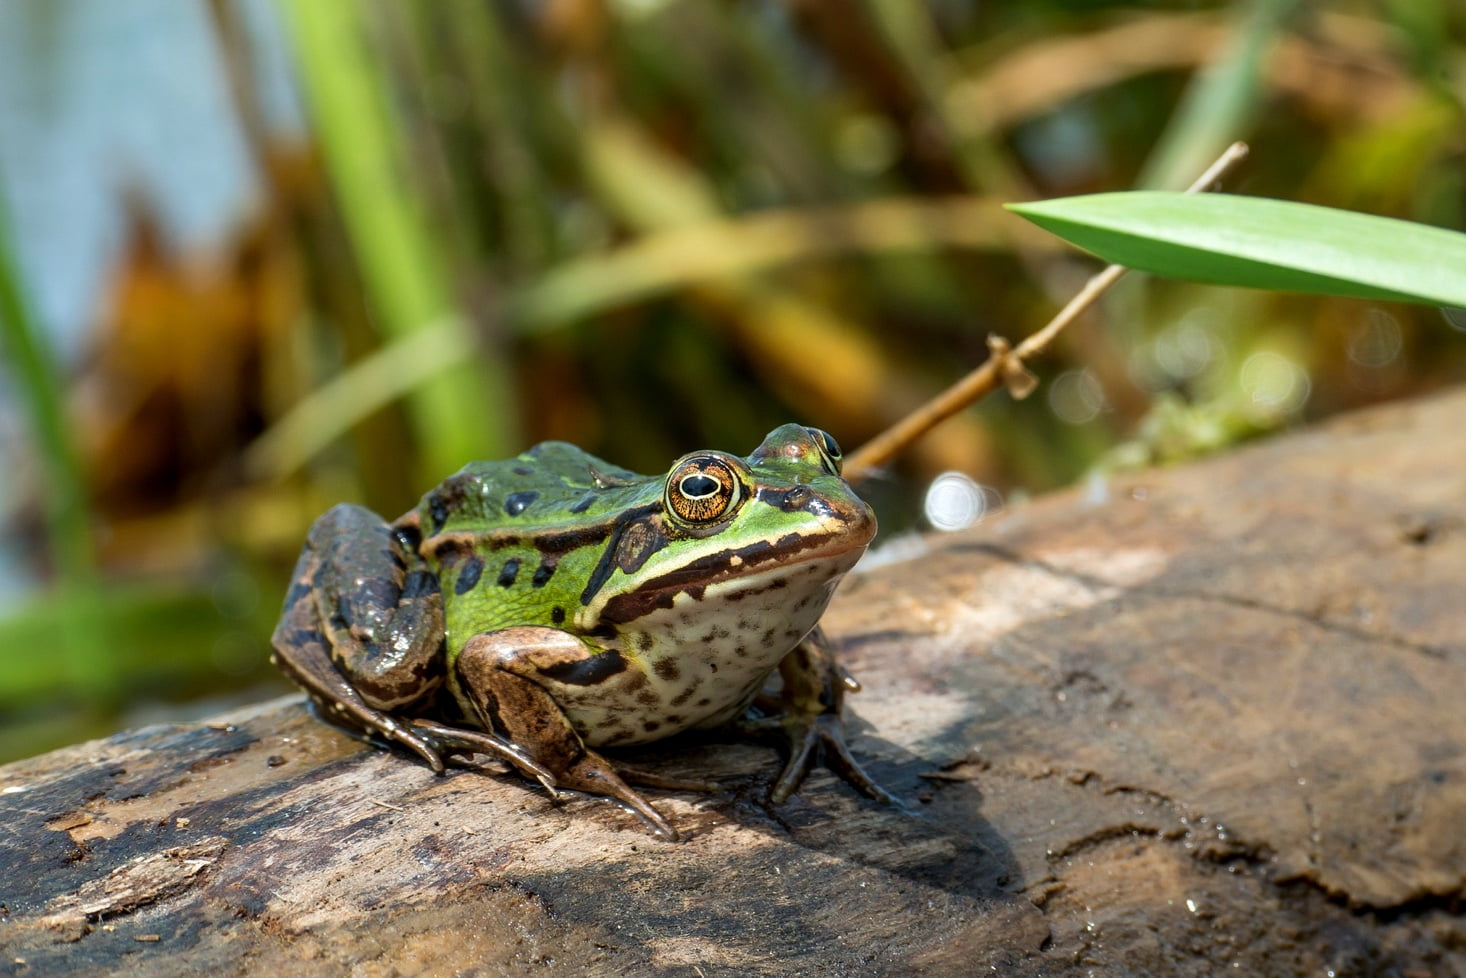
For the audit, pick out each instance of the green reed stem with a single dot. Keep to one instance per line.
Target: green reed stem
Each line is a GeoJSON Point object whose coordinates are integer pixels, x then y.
{"type": "Point", "coordinates": [63, 493]}
{"type": "Point", "coordinates": [458, 417]}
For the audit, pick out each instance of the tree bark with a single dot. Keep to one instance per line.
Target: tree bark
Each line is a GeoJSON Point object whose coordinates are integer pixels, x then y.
{"type": "Point", "coordinates": [1173, 723]}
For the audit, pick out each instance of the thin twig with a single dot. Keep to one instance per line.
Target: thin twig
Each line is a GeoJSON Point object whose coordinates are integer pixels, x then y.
{"type": "Point", "coordinates": [1005, 366]}
{"type": "Point", "coordinates": [387, 805]}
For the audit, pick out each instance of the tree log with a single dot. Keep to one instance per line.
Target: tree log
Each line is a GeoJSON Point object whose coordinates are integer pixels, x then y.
{"type": "Point", "coordinates": [1176, 723]}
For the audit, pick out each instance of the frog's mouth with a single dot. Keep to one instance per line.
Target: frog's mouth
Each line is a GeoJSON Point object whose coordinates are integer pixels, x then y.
{"type": "Point", "coordinates": [839, 547]}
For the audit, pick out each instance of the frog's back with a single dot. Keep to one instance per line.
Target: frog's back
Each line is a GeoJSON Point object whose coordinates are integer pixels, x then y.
{"type": "Point", "coordinates": [513, 542]}
{"type": "Point", "coordinates": [554, 461]}
{"type": "Point", "coordinates": [548, 482]}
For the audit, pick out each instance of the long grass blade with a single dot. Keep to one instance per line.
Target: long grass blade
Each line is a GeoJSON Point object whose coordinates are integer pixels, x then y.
{"type": "Point", "coordinates": [64, 497]}
{"type": "Point", "coordinates": [1220, 103]}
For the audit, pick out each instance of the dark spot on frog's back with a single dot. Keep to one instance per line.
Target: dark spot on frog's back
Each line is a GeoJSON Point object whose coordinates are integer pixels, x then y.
{"type": "Point", "coordinates": [468, 575]}
{"type": "Point", "coordinates": [589, 671]}
{"type": "Point", "coordinates": [523, 470]}
{"type": "Point", "coordinates": [438, 510]}
{"type": "Point", "coordinates": [509, 572]}
{"type": "Point", "coordinates": [451, 497]}
{"type": "Point", "coordinates": [557, 615]}
{"type": "Point", "coordinates": [517, 502]}
{"type": "Point", "coordinates": [409, 537]}
{"type": "Point", "coordinates": [448, 552]}
{"type": "Point", "coordinates": [543, 573]}
{"type": "Point", "coordinates": [667, 669]}
{"type": "Point", "coordinates": [583, 503]}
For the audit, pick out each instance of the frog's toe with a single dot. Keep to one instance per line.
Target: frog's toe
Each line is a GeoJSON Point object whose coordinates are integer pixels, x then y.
{"type": "Point", "coordinates": [594, 775]}
{"type": "Point", "coordinates": [374, 727]}
{"type": "Point", "coordinates": [838, 758]}
{"type": "Point", "coordinates": [449, 740]}
{"type": "Point", "coordinates": [413, 741]}
{"type": "Point", "coordinates": [647, 779]}
{"type": "Point", "coordinates": [822, 738]}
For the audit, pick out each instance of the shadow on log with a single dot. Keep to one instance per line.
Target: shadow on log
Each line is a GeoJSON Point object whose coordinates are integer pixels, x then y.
{"type": "Point", "coordinates": [1202, 720]}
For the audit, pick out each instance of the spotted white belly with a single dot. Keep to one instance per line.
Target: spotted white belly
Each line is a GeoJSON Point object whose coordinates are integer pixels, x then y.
{"type": "Point", "coordinates": [700, 662]}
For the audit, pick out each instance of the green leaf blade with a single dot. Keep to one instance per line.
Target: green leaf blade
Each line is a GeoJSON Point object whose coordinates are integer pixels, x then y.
{"type": "Point", "coordinates": [1258, 243]}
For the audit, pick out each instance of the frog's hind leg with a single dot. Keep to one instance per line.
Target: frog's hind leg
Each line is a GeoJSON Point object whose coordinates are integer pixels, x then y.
{"type": "Point", "coordinates": [362, 631]}
{"type": "Point", "coordinates": [302, 652]}
{"type": "Point", "coordinates": [487, 676]}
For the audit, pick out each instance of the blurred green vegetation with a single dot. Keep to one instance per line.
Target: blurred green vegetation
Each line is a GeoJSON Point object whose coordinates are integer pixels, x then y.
{"type": "Point", "coordinates": [647, 226]}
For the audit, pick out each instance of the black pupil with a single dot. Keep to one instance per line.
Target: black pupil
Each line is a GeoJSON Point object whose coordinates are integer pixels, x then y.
{"type": "Point", "coordinates": [699, 486]}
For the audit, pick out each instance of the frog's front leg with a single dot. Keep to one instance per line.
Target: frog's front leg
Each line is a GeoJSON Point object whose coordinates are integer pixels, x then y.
{"type": "Point", "coordinates": [500, 673]}
{"type": "Point", "coordinates": [362, 631]}
{"type": "Point", "coordinates": [806, 713]}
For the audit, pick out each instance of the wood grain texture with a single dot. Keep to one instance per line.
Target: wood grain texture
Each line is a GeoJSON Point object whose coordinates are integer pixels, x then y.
{"type": "Point", "coordinates": [1186, 722]}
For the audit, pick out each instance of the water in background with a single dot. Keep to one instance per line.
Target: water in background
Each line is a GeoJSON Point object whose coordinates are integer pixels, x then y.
{"type": "Point", "coordinates": [96, 97]}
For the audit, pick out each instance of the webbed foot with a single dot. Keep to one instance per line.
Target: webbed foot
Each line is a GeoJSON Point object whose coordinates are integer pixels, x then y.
{"type": "Point", "coordinates": [805, 717]}
{"type": "Point", "coordinates": [594, 775]}
{"type": "Point", "coordinates": [813, 740]}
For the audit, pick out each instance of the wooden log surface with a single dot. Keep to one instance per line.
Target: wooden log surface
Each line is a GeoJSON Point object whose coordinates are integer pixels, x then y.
{"type": "Point", "coordinates": [1189, 722]}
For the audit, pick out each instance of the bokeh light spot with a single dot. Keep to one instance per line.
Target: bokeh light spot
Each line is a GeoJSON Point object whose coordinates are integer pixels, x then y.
{"type": "Point", "coordinates": [1189, 347]}
{"type": "Point", "coordinates": [1377, 341]}
{"type": "Point", "coordinates": [1075, 396]}
{"type": "Point", "coordinates": [1274, 383]}
{"type": "Point", "coordinates": [955, 501]}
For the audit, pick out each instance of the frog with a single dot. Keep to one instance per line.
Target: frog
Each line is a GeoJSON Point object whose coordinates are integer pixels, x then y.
{"type": "Point", "coordinates": [544, 609]}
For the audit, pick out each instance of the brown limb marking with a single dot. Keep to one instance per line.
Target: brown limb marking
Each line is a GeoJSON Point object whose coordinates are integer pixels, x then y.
{"type": "Point", "coordinates": [525, 714]}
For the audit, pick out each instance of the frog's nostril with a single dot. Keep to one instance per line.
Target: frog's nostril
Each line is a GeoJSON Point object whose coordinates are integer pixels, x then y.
{"type": "Point", "coordinates": [796, 498]}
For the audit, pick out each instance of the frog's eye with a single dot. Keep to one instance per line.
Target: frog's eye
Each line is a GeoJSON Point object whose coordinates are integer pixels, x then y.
{"type": "Point", "coordinates": [828, 447]}
{"type": "Point", "coordinates": [704, 489]}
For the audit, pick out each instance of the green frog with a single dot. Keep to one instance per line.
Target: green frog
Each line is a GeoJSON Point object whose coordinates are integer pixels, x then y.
{"type": "Point", "coordinates": [566, 605]}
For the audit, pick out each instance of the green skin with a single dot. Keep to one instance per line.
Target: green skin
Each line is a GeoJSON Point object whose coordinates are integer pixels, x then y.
{"type": "Point", "coordinates": [568, 605]}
